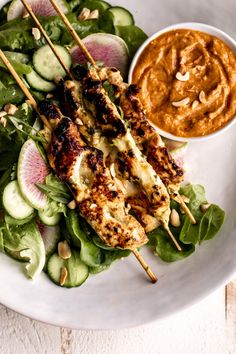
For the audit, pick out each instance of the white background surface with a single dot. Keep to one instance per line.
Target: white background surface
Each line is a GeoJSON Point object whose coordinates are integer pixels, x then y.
{"type": "Point", "coordinates": [199, 329]}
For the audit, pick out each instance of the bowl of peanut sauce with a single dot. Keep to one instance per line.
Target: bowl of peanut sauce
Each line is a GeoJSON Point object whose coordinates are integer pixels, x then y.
{"type": "Point", "coordinates": [186, 74]}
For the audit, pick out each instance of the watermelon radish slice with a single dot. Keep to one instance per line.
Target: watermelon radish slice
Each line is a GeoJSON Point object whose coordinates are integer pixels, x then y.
{"type": "Point", "coordinates": [109, 49]}
{"type": "Point", "coordinates": [32, 169]}
{"type": "Point", "coordinates": [177, 150]}
{"type": "Point", "coordinates": [39, 7]}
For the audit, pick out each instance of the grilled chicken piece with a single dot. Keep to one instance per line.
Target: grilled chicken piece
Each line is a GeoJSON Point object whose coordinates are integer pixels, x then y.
{"type": "Point", "coordinates": [144, 134]}
{"type": "Point", "coordinates": [113, 127]}
{"type": "Point", "coordinates": [72, 105]}
{"type": "Point", "coordinates": [149, 141]}
{"type": "Point", "coordinates": [82, 167]}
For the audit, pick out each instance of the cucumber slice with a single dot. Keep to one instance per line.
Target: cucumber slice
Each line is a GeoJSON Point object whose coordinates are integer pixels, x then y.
{"type": "Point", "coordinates": [122, 17]}
{"type": "Point", "coordinates": [77, 271]}
{"type": "Point", "coordinates": [46, 63]}
{"type": "Point", "coordinates": [14, 203]}
{"type": "Point", "coordinates": [50, 235]}
{"type": "Point", "coordinates": [38, 83]}
{"type": "Point", "coordinates": [32, 169]}
{"type": "Point", "coordinates": [49, 220]}
{"type": "Point", "coordinates": [40, 8]}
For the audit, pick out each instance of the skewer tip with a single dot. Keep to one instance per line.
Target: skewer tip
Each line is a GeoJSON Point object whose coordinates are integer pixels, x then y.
{"type": "Point", "coordinates": [145, 266]}
{"type": "Point", "coordinates": [173, 238]}
{"type": "Point", "coordinates": [186, 209]}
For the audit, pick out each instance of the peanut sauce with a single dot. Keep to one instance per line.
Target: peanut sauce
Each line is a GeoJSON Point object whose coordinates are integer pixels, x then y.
{"type": "Point", "coordinates": [187, 82]}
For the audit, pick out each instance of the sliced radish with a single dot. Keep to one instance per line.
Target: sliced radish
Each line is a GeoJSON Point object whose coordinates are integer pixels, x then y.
{"type": "Point", "coordinates": [111, 50]}
{"type": "Point", "coordinates": [39, 7]}
{"type": "Point", "coordinates": [32, 169]}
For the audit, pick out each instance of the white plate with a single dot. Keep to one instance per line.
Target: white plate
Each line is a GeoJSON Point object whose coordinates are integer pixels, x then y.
{"type": "Point", "coordinates": [122, 296]}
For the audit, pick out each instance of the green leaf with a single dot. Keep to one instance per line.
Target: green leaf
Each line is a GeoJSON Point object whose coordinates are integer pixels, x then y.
{"type": "Point", "coordinates": [165, 248]}
{"type": "Point", "coordinates": [26, 239]}
{"type": "Point", "coordinates": [132, 35]}
{"type": "Point", "coordinates": [106, 22]}
{"type": "Point", "coordinates": [196, 193]}
{"type": "Point", "coordinates": [55, 189]}
{"type": "Point", "coordinates": [19, 62]}
{"type": "Point", "coordinates": [89, 253]}
{"type": "Point", "coordinates": [211, 223]}
{"type": "Point", "coordinates": [11, 94]}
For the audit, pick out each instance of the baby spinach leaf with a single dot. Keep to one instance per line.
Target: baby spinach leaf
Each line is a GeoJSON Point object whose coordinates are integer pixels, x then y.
{"type": "Point", "coordinates": [10, 94]}
{"type": "Point", "coordinates": [196, 193]}
{"type": "Point", "coordinates": [89, 253]}
{"type": "Point", "coordinates": [106, 22]}
{"type": "Point", "coordinates": [211, 222]}
{"type": "Point", "coordinates": [165, 248]}
{"type": "Point", "coordinates": [132, 35]}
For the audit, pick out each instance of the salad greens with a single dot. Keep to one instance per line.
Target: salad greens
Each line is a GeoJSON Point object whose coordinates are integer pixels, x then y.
{"type": "Point", "coordinates": [188, 235]}
{"type": "Point", "coordinates": [34, 238]}
{"type": "Point", "coordinates": [25, 239]}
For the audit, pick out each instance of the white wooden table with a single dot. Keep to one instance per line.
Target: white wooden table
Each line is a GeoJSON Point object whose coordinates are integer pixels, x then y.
{"type": "Point", "coordinates": [208, 327]}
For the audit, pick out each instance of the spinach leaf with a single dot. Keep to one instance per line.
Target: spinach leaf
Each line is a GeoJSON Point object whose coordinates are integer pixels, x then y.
{"type": "Point", "coordinates": [196, 193]}
{"type": "Point", "coordinates": [106, 22]}
{"type": "Point", "coordinates": [18, 39]}
{"type": "Point", "coordinates": [211, 223]}
{"type": "Point", "coordinates": [164, 247]}
{"type": "Point", "coordinates": [89, 253]}
{"type": "Point", "coordinates": [10, 94]}
{"type": "Point", "coordinates": [108, 258]}
{"type": "Point", "coordinates": [132, 35]}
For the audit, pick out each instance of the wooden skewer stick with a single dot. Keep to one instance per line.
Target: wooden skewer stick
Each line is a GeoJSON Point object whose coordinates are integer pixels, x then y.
{"type": "Point", "coordinates": [145, 266]}
{"type": "Point", "coordinates": [44, 33]}
{"type": "Point", "coordinates": [73, 33]}
{"type": "Point", "coordinates": [166, 227]}
{"type": "Point", "coordinates": [23, 88]}
{"type": "Point", "coordinates": [186, 209]}
{"type": "Point", "coordinates": [45, 121]}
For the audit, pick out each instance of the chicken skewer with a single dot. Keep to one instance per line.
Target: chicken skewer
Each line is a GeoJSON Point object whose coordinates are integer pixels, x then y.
{"type": "Point", "coordinates": [146, 136]}
{"type": "Point", "coordinates": [138, 238]}
{"type": "Point", "coordinates": [113, 127]}
{"type": "Point", "coordinates": [72, 105]}
{"type": "Point", "coordinates": [82, 167]}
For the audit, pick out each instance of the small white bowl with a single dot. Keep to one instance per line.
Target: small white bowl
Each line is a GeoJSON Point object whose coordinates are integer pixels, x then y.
{"type": "Point", "coordinates": [194, 26]}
